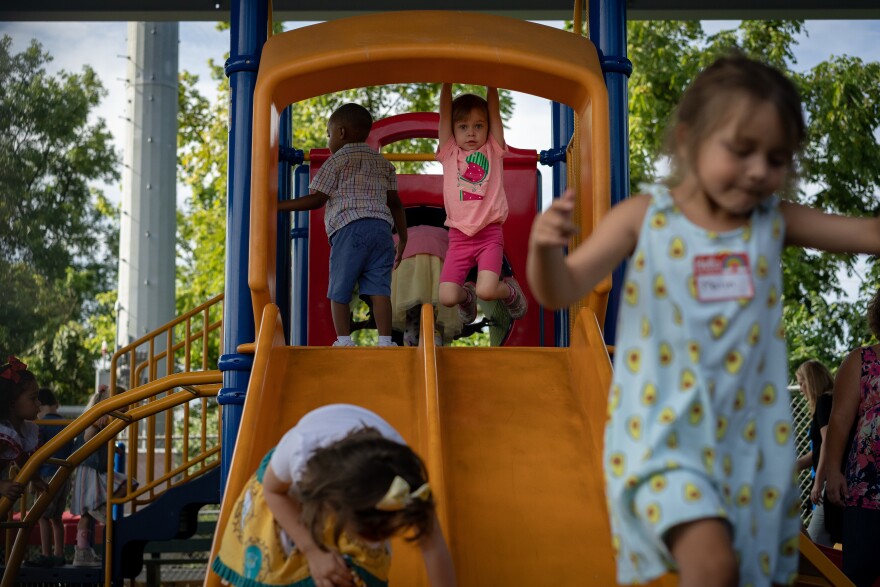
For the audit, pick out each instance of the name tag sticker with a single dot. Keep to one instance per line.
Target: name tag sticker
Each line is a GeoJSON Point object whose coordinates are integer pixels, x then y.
{"type": "Point", "coordinates": [722, 277]}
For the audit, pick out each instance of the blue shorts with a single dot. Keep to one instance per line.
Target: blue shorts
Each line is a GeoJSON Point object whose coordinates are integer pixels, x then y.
{"type": "Point", "coordinates": [361, 253]}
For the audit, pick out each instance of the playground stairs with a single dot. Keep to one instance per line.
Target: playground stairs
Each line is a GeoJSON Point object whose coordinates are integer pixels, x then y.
{"type": "Point", "coordinates": [173, 517]}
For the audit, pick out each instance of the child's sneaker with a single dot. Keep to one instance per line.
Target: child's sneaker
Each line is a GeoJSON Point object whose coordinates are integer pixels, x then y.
{"type": "Point", "coordinates": [348, 342]}
{"type": "Point", "coordinates": [389, 343]}
{"type": "Point", "coordinates": [467, 310]}
{"type": "Point", "coordinates": [86, 557]}
{"type": "Point", "coordinates": [517, 304]}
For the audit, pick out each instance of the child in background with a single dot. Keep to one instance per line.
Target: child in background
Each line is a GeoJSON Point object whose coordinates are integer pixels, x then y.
{"type": "Point", "coordinates": [699, 452]}
{"type": "Point", "coordinates": [89, 497]}
{"type": "Point", "coordinates": [360, 189]}
{"type": "Point", "coordinates": [416, 281]}
{"type": "Point", "coordinates": [19, 437]}
{"type": "Point", "coordinates": [324, 503]}
{"type": "Point", "coordinates": [51, 524]}
{"type": "Point", "coordinates": [471, 149]}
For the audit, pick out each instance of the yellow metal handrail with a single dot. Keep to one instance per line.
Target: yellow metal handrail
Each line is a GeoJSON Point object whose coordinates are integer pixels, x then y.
{"type": "Point", "coordinates": [124, 411]}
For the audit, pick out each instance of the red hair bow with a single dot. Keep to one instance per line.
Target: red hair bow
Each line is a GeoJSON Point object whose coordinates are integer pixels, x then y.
{"type": "Point", "coordinates": [11, 370]}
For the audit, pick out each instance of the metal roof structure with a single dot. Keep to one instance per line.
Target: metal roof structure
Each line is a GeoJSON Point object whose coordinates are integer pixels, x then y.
{"type": "Point", "coordinates": [297, 10]}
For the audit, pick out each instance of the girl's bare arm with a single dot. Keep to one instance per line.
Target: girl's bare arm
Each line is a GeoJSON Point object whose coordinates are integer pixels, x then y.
{"type": "Point", "coordinates": [813, 228]}
{"type": "Point", "coordinates": [438, 560]}
{"type": "Point", "coordinates": [496, 125]}
{"type": "Point", "coordinates": [444, 129]}
{"type": "Point", "coordinates": [558, 280]}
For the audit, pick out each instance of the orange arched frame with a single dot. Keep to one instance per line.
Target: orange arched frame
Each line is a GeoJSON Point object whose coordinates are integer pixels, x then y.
{"type": "Point", "coordinates": [423, 46]}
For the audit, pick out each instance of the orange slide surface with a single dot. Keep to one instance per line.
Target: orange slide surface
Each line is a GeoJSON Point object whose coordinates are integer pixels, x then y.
{"type": "Point", "coordinates": [511, 437]}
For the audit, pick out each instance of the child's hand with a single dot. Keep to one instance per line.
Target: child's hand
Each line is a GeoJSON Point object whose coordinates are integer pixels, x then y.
{"type": "Point", "coordinates": [398, 256]}
{"type": "Point", "coordinates": [555, 227]}
{"type": "Point", "coordinates": [39, 485]}
{"type": "Point", "coordinates": [11, 489]}
{"type": "Point", "coordinates": [328, 569]}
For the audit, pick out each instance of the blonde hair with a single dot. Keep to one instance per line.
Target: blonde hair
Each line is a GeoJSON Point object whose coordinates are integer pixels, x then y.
{"type": "Point", "coordinates": [817, 380]}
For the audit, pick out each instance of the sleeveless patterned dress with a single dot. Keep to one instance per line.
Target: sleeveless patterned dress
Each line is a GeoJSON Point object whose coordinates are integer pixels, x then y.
{"type": "Point", "coordinates": [863, 464]}
{"type": "Point", "coordinates": [699, 416]}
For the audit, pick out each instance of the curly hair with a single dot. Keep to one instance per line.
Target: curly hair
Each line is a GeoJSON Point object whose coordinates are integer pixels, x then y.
{"type": "Point", "coordinates": [345, 480]}
{"type": "Point", "coordinates": [355, 118]}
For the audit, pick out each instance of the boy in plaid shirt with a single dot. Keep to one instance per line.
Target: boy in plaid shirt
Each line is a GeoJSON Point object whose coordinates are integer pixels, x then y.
{"type": "Point", "coordinates": [359, 188]}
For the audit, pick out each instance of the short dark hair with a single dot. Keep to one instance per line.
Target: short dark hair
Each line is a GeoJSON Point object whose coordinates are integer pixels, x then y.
{"type": "Point", "coordinates": [46, 396]}
{"type": "Point", "coordinates": [354, 118]}
{"type": "Point", "coordinates": [467, 103]}
{"type": "Point", "coordinates": [874, 314]}
{"type": "Point", "coordinates": [348, 478]}
{"type": "Point", "coordinates": [717, 88]}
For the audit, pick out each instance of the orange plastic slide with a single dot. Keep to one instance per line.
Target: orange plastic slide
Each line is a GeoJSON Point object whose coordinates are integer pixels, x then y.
{"type": "Point", "coordinates": [511, 437]}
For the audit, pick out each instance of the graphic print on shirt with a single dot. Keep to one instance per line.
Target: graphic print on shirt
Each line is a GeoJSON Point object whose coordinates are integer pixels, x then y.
{"type": "Point", "coordinates": [470, 182]}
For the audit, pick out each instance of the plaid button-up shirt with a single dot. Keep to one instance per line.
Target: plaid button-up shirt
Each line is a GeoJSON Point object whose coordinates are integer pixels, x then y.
{"type": "Point", "coordinates": [357, 180]}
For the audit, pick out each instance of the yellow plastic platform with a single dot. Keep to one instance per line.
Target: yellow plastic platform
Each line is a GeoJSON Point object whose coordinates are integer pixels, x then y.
{"type": "Point", "coordinates": [511, 437]}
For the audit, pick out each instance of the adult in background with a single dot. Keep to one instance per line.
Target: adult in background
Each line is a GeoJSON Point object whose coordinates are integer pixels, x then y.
{"type": "Point", "coordinates": [857, 401]}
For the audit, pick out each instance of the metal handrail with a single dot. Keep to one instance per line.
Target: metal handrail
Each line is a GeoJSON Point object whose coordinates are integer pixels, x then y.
{"type": "Point", "coordinates": [198, 385]}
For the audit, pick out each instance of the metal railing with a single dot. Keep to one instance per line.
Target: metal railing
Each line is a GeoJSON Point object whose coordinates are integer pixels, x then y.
{"type": "Point", "coordinates": [122, 411]}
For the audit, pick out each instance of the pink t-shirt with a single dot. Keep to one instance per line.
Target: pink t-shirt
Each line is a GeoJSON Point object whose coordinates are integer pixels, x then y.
{"type": "Point", "coordinates": [473, 186]}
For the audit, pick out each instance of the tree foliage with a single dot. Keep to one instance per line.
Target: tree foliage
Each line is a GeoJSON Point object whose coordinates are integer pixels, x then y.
{"type": "Point", "coordinates": [839, 169]}
{"type": "Point", "coordinates": [56, 232]}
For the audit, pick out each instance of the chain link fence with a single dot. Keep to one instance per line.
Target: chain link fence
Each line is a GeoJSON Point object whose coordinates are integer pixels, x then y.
{"type": "Point", "coordinates": [802, 418]}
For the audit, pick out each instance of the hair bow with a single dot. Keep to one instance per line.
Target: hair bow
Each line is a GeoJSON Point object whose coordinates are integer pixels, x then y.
{"type": "Point", "coordinates": [11, 370]}
{"type": "Point", "coordinates": [399, 495]}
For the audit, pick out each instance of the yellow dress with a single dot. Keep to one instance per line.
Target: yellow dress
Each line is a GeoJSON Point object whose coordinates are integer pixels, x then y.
{"type": "Point", "coordinates": [256, 552]}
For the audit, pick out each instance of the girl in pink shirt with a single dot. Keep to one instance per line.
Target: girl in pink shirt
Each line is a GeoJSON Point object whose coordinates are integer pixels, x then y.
{"type": "Point", "coordinates": [471, 150]}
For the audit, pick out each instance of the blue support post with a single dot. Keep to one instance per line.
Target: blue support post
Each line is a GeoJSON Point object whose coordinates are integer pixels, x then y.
{"type": "Point", "coordinates": [282, 259]}
{"type": "Point", "coordinates": [608, 33]}
{"type": "Point", "coordinates": [248, 20]}
{"type": "Point", "coordinates": [119, 467]}
{"type": "Point", "coordinates": [562, 119]}
{"type": "Point", "coordinates": [300, 278]}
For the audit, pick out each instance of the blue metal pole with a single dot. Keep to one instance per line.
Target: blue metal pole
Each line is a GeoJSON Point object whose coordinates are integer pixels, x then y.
{"type": "Point", "coordinates": [562, 119]}
{"type": "Point", "coordinates": [282, 259]}
{"type": "Point", "coordinates": [608, 33]}
{"type": "Point", "coordinates": [248, 20]}
{"type": "Point", "coordinates": [300, 278]}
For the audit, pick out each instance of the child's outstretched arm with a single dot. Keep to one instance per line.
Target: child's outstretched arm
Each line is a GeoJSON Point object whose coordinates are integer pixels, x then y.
{"type": "Point", "coordinates": [328, 568]}
{"type": "Point", "coordinates": [310, 202]}
{"type": "Point", "coordinates": [397, 212]}
{"type": "Point", "coordinates": [558, 280]}
{"type": "Point", "coordinates": [813, 228]}
{"type": "Point", "coordinates": [438, 560]}
{"type": "Point", "coordinates": [496, 125]}
{"type": "Point", "coordinates": [444, 128]}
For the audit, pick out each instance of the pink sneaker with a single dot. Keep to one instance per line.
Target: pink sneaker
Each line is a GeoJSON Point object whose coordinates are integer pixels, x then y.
{"type": "Point", "coordinates": [467, 310]}
{"type": "Point", "coordinates": [520, 305]}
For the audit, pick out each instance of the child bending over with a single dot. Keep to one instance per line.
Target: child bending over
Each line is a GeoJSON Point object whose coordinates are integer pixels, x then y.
{"type": "Point", "coordinates": [324, 503]}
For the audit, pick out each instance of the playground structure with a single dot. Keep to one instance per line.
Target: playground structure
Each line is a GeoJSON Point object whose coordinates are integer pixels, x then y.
{"type": "Point", "coordinates": [513, 449]}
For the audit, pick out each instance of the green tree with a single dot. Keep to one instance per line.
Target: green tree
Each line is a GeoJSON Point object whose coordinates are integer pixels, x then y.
{"type": "Point", "coordinates": [839, 169]}
{"type": "Point", "coordinates": [55, 233]}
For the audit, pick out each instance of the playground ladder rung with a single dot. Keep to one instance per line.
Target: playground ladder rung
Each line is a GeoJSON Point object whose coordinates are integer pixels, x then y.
{"type": "Point", "coordinates": [10, 525]}
{"type": "Point", "coordinates": [120, 415]}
